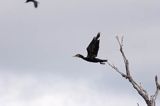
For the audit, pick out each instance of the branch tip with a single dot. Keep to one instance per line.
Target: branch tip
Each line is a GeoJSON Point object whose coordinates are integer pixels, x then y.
{"type": "Point", "coordinates": [157, 84]}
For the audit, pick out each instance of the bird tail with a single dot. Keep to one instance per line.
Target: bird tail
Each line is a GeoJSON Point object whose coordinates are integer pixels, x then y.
{"type": "Point", "coordinates": [103, 61]}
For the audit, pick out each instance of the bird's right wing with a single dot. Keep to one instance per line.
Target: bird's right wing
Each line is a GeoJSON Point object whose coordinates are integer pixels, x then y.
{"type": "Point", "coordinates": [93, 47]}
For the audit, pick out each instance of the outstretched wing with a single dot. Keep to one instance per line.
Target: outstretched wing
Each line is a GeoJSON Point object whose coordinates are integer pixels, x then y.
{"type": "Point", "coordinates": [93, 47]}
{"type": "Point", "coordinates": [35, 3]}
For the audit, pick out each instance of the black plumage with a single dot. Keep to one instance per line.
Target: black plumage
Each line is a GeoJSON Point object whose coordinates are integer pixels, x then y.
{"type": "Point", "coordinates": [92, 51]}
{"type": "Point", "coordinates": [34, 2]}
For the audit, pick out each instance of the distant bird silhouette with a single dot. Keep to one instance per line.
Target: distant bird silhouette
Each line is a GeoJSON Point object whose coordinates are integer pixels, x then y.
{"type": "Point", "coordinates": [34, 2]}
{"type": "Point", "coordinates": [92, 51]}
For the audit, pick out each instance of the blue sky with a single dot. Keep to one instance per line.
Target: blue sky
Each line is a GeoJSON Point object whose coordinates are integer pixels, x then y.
{"type": "Point", "coordinates": [37, 45]}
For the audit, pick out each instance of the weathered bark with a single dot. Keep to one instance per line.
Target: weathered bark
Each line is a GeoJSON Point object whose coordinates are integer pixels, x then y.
{"type": "Point", "coordinates": [150, 100]}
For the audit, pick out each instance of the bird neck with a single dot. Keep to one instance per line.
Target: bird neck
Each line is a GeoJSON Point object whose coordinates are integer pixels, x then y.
{"type": "Point", "coordinates": [81, 56]}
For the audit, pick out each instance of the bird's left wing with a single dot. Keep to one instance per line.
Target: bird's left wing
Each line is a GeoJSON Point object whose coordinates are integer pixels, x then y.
{"type": "Point", "coordinates": [35, 4]}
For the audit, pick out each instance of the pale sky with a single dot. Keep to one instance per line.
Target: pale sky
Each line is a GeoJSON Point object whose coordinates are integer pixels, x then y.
{"type": "Point", "coordinates": [37, 45]}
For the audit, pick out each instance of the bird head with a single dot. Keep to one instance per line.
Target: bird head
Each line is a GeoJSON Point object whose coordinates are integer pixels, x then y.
{"type": "Point", "coordinates": [78, 55]}
{"type": "Point", "coordinates": [27, 1]}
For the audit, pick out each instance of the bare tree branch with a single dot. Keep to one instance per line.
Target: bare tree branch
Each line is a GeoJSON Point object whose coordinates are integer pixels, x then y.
{"type": "Point", "coordinates": [150, 100]}
{"type": "Point", "coordinates": [116, 69]}
{"type": "Point", "coordinates": [157, 84]}
{"type": "Point", "coordinates": [123, 55]}
{"type": "Point", "coordinates": [154, 97]}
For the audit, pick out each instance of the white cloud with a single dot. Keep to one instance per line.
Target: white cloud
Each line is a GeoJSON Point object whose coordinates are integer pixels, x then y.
{"type": "Point", "coordinates": [24, 90]}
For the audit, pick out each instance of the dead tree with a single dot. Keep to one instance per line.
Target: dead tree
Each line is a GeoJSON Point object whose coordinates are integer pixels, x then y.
{"type": "Point", "coordinates": [149, 99]}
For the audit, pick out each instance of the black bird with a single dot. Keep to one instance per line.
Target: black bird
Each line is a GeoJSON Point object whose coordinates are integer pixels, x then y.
{"type": "Point", "coordinates": [92, 51]}
{"type": "Point", "coordinates": [34, 2]}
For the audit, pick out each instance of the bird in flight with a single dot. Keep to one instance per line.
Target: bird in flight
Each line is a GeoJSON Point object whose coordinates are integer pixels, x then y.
{"type": "Point", "coordinates": [34, 2]}
{"type": "Point", "coordinates": [92, 51]}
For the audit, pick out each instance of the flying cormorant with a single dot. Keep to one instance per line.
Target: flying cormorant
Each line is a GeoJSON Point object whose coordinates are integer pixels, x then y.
{"type": "Point", "coordinates": [92, 51]}
{"type": "Point", "coordinates": [34, 2]}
